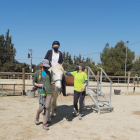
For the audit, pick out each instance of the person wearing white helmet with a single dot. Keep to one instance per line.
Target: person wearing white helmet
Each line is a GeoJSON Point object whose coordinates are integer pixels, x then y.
{"type": "Point", "coordinates": [56, 56]}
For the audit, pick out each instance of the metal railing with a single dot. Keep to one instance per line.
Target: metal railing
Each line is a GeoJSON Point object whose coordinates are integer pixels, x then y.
{"type": "Point", "coordinates": [103, 72]}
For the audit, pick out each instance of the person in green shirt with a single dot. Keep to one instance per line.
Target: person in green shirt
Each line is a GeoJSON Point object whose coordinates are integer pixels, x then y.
{"type": "Point", "coordinates": [80, 83]}
{"type": "Point", "coordinates": [42, 80]}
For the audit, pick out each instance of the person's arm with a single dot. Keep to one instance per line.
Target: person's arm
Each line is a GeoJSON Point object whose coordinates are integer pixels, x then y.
{"type": "Point", "coordinates": [47, 55]}
{"type": "Point", "coordinates": [61, 58]}
{"type": "Point", "coordinates": [86, 82]}
{"type": "Point", "coordinates": [35, 81]}
{"type": "Point", "coordinates": [68, 73]}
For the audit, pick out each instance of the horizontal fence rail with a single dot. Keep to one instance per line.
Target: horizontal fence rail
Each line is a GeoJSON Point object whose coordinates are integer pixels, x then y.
{"type": "Point", "coordinates": [19, 75]}
{"type": "Point", "coordinates": [115, 79]}
{"type": "Point", "coordinates": [15, 75]}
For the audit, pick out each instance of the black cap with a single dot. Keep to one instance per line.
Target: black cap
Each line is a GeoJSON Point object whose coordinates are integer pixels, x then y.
{"type": "Point", "coordinates": [82, 65]}
{"type": "Point", "coordinates": [55, 43]}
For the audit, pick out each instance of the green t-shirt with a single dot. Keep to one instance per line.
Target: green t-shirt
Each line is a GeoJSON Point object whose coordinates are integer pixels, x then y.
{"type": "Point", "coordinates": [47, 90]}
{"type": "Point", "coordinates": [79, 80]}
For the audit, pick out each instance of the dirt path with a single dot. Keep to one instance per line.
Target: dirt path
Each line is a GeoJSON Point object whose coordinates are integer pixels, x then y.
{"type": "Point", "coordinates": [17, 120]}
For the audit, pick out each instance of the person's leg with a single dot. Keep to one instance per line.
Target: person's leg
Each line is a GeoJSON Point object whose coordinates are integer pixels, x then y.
{"type": "Point", "coordinates": [76, 97]}
{"type": "Point", "coordinates": [63, 85]}
{"type": "Point", "coordinates": [40, 109]}
{"type": "Point", "coordinates": [47, 103]}
{"type": "Point", "coordinates": [82, 97]}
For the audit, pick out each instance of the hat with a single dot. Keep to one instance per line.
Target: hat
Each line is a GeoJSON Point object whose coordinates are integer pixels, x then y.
{"type": "Point", "coordinates": [55, 43]}
{"type": "Point", "coordinates": [45, 62]}
{"type": "Point", "coordinates": [82, 65]}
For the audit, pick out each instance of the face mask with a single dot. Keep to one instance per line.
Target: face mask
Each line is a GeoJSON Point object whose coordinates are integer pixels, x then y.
{"type": "Point", "coordinates": [45, 68]}
{"type": "Point", "coordinates": [77, 68]}
{"type": "Point", "coordinates": [55, 49]}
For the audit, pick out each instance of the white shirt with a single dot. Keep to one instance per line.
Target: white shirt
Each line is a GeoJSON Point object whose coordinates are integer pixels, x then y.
{"type": "Point", "coordinates": [55, 56]}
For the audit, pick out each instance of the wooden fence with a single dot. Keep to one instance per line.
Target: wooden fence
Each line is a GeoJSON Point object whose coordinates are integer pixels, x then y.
{"type": "Point", "coordinates": [115, 79]}
{"type": "Point", "coordinates": [19, 75]}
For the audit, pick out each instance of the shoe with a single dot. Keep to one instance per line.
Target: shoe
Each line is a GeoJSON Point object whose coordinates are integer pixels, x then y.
{"type": "Point", "coordinates": [64, 94]}
{"type": "Point", "coordinates": [36, 120]}
{"type": "Point", "coordinates": [75, 112]}
{"type": "Point", "coordinates": [44, 126]}
{"type": "Point", "coordinates": [80, 116]}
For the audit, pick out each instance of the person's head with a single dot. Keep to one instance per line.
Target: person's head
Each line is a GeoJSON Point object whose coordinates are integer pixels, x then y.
{"type": "Point", "coordinates": [55, 46]}
{"type": "Point", "coordinates": [44, 65]}
{"type": "Point", "coordinates": [81, 66]}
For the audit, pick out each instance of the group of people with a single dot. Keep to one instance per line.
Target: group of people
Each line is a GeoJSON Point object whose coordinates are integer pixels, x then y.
{"type": "Point", "coordinates": [42, 81]}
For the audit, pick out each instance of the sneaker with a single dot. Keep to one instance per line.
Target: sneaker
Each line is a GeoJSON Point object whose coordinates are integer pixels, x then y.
{"type": "Point", "coordinates": [75, 112]}
{"type": "Point", "coordinates": [44, 126]}
{"type": "Point", "coordinates": [36, 120]}
{"type": "Point", "coordinates": [80, 116]}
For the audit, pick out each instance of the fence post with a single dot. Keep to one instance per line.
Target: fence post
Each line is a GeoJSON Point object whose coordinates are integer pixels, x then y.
{"type": "Point", "coordinates": [23, 77]}
{"type": "Point", "coordinates": [128, 81]}
{"type": "Point", "coordinates": [134, 85]}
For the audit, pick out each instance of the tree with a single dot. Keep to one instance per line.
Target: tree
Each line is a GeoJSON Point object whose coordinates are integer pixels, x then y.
{"type": "Point", "coordinates": [113, 59]}
{"type": "Point", "coordinates": [8, 53]}
{"type": "Point", "coordinates": [67, 58]}
{"type": "Point", "coordinates": [1, 50]}
{"type": "Point", "coordinates": [136, 68]}
{"type": "Point", "coordinates": [70, 60]}
{"type": "Point", "coordinates": [74, 60]}
{"type": "Point", "coordinates": [64, 57]}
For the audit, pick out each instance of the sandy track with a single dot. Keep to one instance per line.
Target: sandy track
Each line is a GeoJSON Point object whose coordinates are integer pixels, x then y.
{"type": "Point", "coordinates": [17, 120]}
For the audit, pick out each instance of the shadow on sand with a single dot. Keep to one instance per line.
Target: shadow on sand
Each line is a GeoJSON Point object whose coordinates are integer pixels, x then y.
{"type": "Point", "coordinates": [65, 111]}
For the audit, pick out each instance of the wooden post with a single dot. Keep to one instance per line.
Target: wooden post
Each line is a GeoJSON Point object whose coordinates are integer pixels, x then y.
{"type": "Point", "coordinates": [128, 81]}
{"type": "Point", "coordinates": [23, 77]}
{"type": "Point", "coordinates": [134, 85]}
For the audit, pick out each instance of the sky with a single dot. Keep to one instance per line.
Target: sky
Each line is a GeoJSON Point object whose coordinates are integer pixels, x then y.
{"type": "Point", "coordinates": [81, 26]}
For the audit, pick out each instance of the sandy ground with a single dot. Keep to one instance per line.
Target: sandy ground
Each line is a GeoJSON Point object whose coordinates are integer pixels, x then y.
{"type": "Point", "coordinates": [17, 115]}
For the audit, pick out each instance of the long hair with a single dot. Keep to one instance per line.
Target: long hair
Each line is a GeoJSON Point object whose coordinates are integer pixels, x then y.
{"type": "Point", "coordinates": [40, 67]}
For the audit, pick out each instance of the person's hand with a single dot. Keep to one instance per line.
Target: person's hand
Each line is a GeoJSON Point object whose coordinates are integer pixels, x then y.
{"type": "Point", "coordinates": [40, 85]}
{"type": "Point", "coordinates": [83, 87]}
{"type": "Point", "coordinates": [53, 83]}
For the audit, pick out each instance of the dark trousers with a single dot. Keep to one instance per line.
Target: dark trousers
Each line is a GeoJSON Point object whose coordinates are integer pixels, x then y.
{"type": "Point", "coordinates": [63, 85]}
{"type": "Point", "coordinates": [78, 95]}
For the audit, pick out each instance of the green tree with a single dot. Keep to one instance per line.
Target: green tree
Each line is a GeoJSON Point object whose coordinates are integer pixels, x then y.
{"type": "Point", "coordinates": [8, 53]}
{"type": "Point", "coordinates": [64, 57]}
{"type": "Point", "coordinates": [70, 60]}
{"type": "Point", "coordinates": [136, 68]}
{"type": "Point", "coordinates": [1, 50]}
{"type": "Point", "coordinates": [113, 59]}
